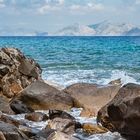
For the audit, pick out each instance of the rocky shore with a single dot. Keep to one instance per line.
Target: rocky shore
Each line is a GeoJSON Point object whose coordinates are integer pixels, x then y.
{"type": "Point", "coordinates": [24, 92]}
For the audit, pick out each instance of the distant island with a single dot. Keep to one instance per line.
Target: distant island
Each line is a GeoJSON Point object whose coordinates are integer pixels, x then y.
{"type": "Point", "coordinates": [104, 28]}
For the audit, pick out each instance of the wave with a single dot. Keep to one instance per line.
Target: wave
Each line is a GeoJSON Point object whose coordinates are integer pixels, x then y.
{"type": "Point", "coordinates": [98, 76]}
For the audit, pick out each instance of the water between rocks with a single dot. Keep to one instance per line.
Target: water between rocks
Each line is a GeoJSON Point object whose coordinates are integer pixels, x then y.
{"type": "Point", "coordinates": [37, 126]}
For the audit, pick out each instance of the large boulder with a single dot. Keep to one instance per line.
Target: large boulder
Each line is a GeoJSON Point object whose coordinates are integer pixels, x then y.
{"type": "Point", "coordinates": [41, 96]}
{"type": "Point", "coordinates": [16, 71]}
{"type": "Point", "coordinates": [122, 114]}
{"type": "Point", "coordinates": [92, 96]}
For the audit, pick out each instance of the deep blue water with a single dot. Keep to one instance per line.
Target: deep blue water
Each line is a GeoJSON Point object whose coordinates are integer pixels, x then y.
{"type": "Point", "coordinates": [66, 60]}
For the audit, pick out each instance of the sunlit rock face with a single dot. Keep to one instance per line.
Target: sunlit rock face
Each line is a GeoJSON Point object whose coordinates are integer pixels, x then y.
{"type": "Point", "coordinates": [16, 71]}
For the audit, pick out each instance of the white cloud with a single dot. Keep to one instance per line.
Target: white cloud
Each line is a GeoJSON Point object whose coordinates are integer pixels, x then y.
{"type": "Point", "coordinates": [2, 5]}
{"type": "Point", "coordinates": [55, 2]}
{"type": "Point", "coordinates": [51, 5]}
{"type": "Point", "coordinates": [44, 9]}
{"type": "Point", "coordinates": [88, 7]}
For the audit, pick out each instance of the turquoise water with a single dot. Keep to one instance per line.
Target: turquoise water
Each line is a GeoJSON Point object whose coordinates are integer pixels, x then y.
{"type": "Point", "coordinates": [67, 60]}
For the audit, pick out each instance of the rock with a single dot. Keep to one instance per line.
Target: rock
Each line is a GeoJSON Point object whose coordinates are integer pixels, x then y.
{"type": "Point", "coordinates": [92, 96]}
{"type": "Point", "coordinates": [93, 129]}
{"type": "Point", "coordinates": [50, 134]}
{"type": "Point", "coordinates": [10, 120]}
{"type": "Point", "coordinates": [28, 131]}
{"type": "Point", "coordinates": [61, 114]}
{"type": "Point", "coordinates": [16, 72]}
{"type": "Point", "coordinates": [41, 96]}
{"type": "Point", "coordinates": [3, 70]}
{"type": "Point", "coordinates": [10, 132]}
{"type": "Point", "coordinates": [87, 112]}
{"type": "Point", "coordinates": [36, 116]}
{"type": "Point", "coordinates": [60, 136]}
{"type": "Point", "coordinates": [2, 136]}
{"type": "Point", "coordinates": [122, 114]}
{"type": "Point", "coordinates": [62, 121]}
{"type": "Point", "coordinates": [4, 106]}
{"type": "Point", "coordinates": [116, 82]}
{"type": "Point", "coordinates": [18, 107]}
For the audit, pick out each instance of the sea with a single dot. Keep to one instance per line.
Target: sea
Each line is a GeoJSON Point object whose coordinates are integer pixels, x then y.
{"type": "Point", "coordinates": [69, 60]}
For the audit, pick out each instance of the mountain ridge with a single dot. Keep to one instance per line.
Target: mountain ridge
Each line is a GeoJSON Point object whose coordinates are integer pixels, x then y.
{"type": "Point", "coordinates": [100, 29]}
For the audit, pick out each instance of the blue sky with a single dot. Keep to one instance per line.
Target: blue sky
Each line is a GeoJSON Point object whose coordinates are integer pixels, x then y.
{"type": "Point", "coordinates": [51, 15]}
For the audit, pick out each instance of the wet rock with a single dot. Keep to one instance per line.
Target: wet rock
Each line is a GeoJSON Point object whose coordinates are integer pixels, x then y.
{"type": "Point", "coordinates": [10, 120]}
{"type": "Point", "coordinates": [61, 114]}
{"type": "Point", "coordinates": [36, 116]}
{"type": "Point", "coordinates": [63, 122]}
{"type": "Point", "coordinates": [4, 106]}
{"type": "Point", "coordinates": [87, 112]}
{"type": "Point", "coordinates": [60, 136]}
{"type": "Point", "coordinates": [122, 114]}
{"type": "Point", "coordinates": [116, 82]}
{"type": "Point", "coordinates": [93, 129]}
{"type": "Point", "coordinates": [41, 96]}
{"type": "Point", "coordinates": [18, 107]}
{"type": "Point", "coordinates": [92, 96]}
{"type": "Point", "coordinates": [16, 71]}
{"type": "Point", "coordinates": [10, 132]}
{"type": "Point", "coordinates": [28, 131]}
{"type": "Point", "coordinates": [50, 134]}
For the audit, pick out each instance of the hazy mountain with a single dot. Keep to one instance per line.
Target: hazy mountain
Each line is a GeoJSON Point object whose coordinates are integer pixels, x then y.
{"type": "Point", "coordinates": [101, 29]}
{"type": "Point", "coordinates": [75, 30]}
{"type": "Point", "coordinates": [6, 31]}
{"type": "Point", "coordinates": [133, 32]}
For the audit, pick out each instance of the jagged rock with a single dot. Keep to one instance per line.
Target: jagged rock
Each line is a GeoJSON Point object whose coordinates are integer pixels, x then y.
{"type": "Point", "coordinates": [92, 96]}
{"type": "Point", "coordinates": [16, 71]}
{"type": "Point", "coordinates": [122, 114]}
{"type": "Point", "coordinates": [36, 116]}
{"type": "Point", "coordinates": [4, 106]}
{"type": "Point", "coordinates": [10, 132]}
{"type": "Point", "coordinates": [40, 96]}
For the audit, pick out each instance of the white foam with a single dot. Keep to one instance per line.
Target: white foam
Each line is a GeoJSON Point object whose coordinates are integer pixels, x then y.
{"type": "Point", "coordinates": [67, 77]}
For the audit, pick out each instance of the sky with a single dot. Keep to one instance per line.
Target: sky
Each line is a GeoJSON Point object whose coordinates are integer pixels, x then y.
{"type": "Point", "coordinates": [52, 15]}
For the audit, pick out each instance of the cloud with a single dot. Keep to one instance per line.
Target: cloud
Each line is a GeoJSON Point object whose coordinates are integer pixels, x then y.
{"type": "Point", "coordinates": [51, 5]}
{"type": "Point", "coordinates": [88, 7]}
{"type": "Point", "coordinates": [2, 5]}
{"type": "Point", "coordinates": [44, 9]}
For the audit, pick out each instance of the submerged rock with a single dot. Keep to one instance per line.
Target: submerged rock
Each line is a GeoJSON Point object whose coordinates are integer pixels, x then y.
{"type": "Point", "coordinates": [122, 114]}
{"type": "Point", "coordinates": [40, 96]}
{"type": "Point", "coordinates": [92, 96]}
{"type": "Point", "coordinates": [16, 71]}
